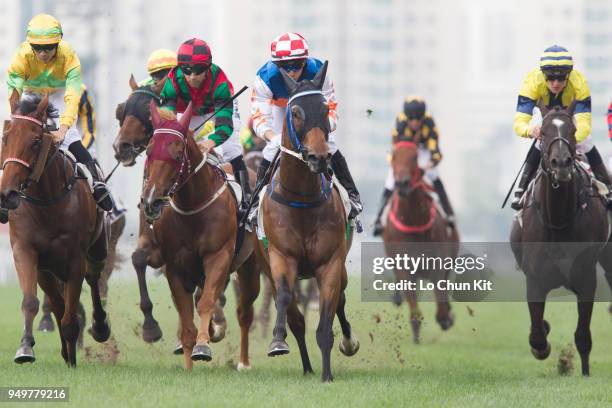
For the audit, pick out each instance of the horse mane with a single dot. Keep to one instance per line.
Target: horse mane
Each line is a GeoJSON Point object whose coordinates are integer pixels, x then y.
{"type": "Point", "coordinates": [29, 102]}
{"type": "Point", "coordinates": [167, 114]}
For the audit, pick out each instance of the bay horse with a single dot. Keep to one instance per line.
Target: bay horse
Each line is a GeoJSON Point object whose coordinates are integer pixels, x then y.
{"type": "Point", "coordinates": [305, 223]}
{"type": "Point", "coordinates": [57, 234]}
{"type": "Point", "coordinates": [413, 219]}
{"type": "Point", "coordinates": [195, 236]}
{"type": "Point", "coordinates": [561, 209]}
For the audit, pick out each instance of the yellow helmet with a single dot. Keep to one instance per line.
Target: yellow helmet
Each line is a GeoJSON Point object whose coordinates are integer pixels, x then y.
{"type": "Point", "coordinates": [161, 59]}
{"type": "Point", "coordinates": [44, 29]}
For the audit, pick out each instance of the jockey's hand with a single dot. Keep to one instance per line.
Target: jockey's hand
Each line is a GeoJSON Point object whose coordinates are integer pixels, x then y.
{"type": "Point", "coordinates": [58, 135]}
{"type": "Point", "coordinates": [207, 129]}
{"type": "Point", "coordinates": [430, 165]}
{"type": "Point", "coordinates": [206, 145]}
{"type": "Point", "coordinates": [269, 135]}
{"type": "Point", "coordinates": [534, 132]}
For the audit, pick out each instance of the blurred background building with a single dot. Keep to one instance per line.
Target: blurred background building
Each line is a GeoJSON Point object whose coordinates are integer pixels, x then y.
{"type": "Point", "coordinates": [466, 57]}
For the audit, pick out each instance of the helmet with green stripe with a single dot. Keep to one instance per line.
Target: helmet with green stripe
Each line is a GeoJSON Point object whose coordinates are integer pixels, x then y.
{"type": "Point", "coordinates": [556, 59]}
{"type": "Point", "coordinates": [44, 29]}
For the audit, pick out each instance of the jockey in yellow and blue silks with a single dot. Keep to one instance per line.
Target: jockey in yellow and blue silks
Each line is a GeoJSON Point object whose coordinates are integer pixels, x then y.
{"type": "Point", "coordinates": [557, 83]}
{"type": "Point", "coordinates": [46, 64]}
{"type": "Point", "coordinates": [414, 124]}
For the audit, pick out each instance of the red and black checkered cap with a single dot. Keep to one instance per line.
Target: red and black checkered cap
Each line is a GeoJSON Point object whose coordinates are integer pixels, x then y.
{"type": "Point", "coordinates": [289, 46]}
{"type": "Point", "coordinates": [194, 51]}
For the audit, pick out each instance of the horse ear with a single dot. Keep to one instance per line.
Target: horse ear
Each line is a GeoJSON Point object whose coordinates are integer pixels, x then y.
{"type": "Point", "coordinates": [543, 109]}
{"type": "Point", "coordinates": [319, 79]}
{"type": "Point", "coordinates": [14, 101]}
{"type": "Point", "coordinates": [120, 111]}
{"type": "Point", "coordinates": [289, 82]}
{"type": "Point", "coordinates": [157, 88]}
{"type": "Point", "coordinates": [41, 109]}
{"type": "Point", "coordinates": [571, 108]}
{"type": "Point", "coordinates": [186, 117]}
{"type": "Point", "coordinates": [155, 118]}
{"type": "Point", "coordinates": [133, 83]}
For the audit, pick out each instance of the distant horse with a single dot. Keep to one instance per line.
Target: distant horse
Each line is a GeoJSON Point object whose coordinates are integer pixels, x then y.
{"type": "Point", "coordinates": [414, 219]}
{"type": "Point", "coordinates": [561, 208]}
{"type": "Point", "coordinates": [305, 223]}
{"type": "Point", "coordinates": [196, 235]}
{"type": "Point", "coordinates": [57, 233]}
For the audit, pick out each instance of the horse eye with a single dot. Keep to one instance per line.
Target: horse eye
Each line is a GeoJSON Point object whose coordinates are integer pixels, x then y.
{"type": "Point", "coordinates": [36, 144]}
{"type": "Point", "coordinates": [298, 113]}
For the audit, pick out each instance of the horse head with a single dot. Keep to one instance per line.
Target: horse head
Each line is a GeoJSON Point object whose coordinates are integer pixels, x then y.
{"type": "Point", "coordinates": [558, 142]}
{"type": "Point", "coordinates": [306, 129]}
{"type": "Point", "coordinates": [406, 171]}
{"type": "Point", "coordinates": [167, 162]}
{"type": "Point", "coordinates": [134, 116]}
{"type": "Point", "coordinates": [22, 144]}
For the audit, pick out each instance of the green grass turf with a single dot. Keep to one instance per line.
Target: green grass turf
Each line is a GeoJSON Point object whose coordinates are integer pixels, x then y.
{"type": "Point", "coordinates": [484, 360]}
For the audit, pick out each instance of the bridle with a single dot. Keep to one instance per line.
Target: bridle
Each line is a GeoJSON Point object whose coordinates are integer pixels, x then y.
{"type": "Point", "coordinates": [545, 164]}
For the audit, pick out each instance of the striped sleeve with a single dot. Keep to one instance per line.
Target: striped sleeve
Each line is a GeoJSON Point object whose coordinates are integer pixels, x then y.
{"type": "Point", "coordinates": [261, 107]}
{"type": "Point", "coordinates": [17, 73]}
{"type": "Point", "coordinates": [528, 96]}
{"type": "Point", "coordinates": [582, 112]}
{"type": "Point", "coordinates": [168, 96]}
{"type": "Point", "coordinates": [400, 127]}
{"type": "Point", "coordinates": [430, 132]}
{"type": "Point", "coordinates": [332, 103]}
{"type": "Point", "coordinates": [224, 125]}
{"type": "Point", "coordinates": [87, 118]}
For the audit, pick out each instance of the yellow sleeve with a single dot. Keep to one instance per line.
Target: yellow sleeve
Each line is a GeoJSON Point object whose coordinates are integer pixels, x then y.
{"type": "Point", "coordinates": [527, 99]}
{"type": "Point", "coordinates": [72, 94]}
{"type": "Point", "coordinates": [17, 72]}
{"type": "Point", "coordinates": [582, 112]}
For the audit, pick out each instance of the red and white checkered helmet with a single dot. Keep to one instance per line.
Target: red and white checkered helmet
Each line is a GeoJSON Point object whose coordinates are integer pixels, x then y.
{"type": "Point", "coordinates": [289, 46]}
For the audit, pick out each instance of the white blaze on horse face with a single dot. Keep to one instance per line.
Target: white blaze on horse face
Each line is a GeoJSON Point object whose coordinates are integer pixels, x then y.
{"type": "Point", "coordinates": [150, 198]}
{"type": "Point", "coordinates": [558, 124]}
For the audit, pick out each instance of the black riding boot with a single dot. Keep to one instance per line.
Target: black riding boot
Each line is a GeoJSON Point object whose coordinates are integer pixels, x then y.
{"type": "Point", "coordinates": [531, 165]}
{"type": "Point", "coordinates": [340, 168]}
{"type": "Point", "coordinates": [446, 205]}
{"type": "Point", "coordinates": [101, 193]}
{"type": "Point", "coordinates": [261, 173]}
{"type": "Point", "coordinates": [242, 177]}
{"type": "Point", "coordinates": [378, 227]}
{"type": "Point", "coordinates": [600, 172]}
{"type": "Point", "coordinates": [3, 215]}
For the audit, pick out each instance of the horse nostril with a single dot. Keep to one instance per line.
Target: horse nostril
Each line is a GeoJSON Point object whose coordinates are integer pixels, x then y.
{"type": "Point", "coordinates": [554, 162]}
{"type": "Point", "coordinates": [568, 161]}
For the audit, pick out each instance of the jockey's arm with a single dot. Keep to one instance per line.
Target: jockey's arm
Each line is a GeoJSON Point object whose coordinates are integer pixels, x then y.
{"type": "Point", "coordinates": [261, 109]}
{"type": "Point", "coordinates": [224, 125]}
{"type": "Point", "coordinates": [528, 96]}
{"type": "Point", "coordinates": [330, 96]}
{"type": "Point", "coordinates": [430, 133]}
{"type": "Point", "coordinates": [87, 118]}
{"type": "Point", "coordinates": [610, 121]}
{"type": "Point", "coordinates": [582, 111]}
{"type": "Point", "coordinates": [72, 92]}
{"type": "Point", "coordinates": [17, 73]}
{"type": "Point", "coordinates": [168, 97]}
{"type": "Point", "coordinates": [400, 126]}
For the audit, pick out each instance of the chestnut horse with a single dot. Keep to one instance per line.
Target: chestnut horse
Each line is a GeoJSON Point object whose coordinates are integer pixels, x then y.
{"type": "Point", "coordinates": [561, 209]}
{"type": "Point", "coordinates": [57, 234]}
{"type": "Point", "coordinates": [195, 237]}
{"type": "Point", "coordinates": [414, 218]}
{"type": "Point", "coordinates": [304, 220]}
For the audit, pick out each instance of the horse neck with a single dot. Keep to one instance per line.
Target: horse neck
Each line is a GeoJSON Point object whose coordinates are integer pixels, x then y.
{"type": "Point", "coordinates": [295, 175]}
{"type": "Point", "coordinates": [559, 205]}
{"type": "Point", "coordinates": [54, 177]}
{"type": "Point", "coordinates": [413, 209]}
{"type": "Point", "coordinates": [201, 185]}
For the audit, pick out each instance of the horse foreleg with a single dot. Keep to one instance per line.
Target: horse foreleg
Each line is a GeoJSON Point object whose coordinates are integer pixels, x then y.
{"type": "Point", "coordinates": [582, 336]}
{"type": "Point", "coordinates": [284, 273]}
{"type": "Point", "coordinates": [248, 279]}
{"type": "Point", "coordinates": [297, 325]}
{"type": "Point", "coordinates": [100, 329]}
{"type": "Point", "coordinates": [27, 270]}
{"type": "Point", "coordinates": [70, 324]}
{"type": "Point", "coordinates": [264, 310]}
{"type": "Point", "coordinates": [218, 323]}
{"type": "Point", "coordinates": [444, 315]}
{"type": "Point", "coordinates": [151, 332]}
{"type": "Point", "coordinates": [540, 347]}
{"type": "Point", "coordinates": [46, 322]}
{"type": "Point", "coordinates": [50, 285]}
{"type": "Point", "coordinates": [349, 345]}
{"type": "Point", "coordinates": [329, 280]}
{"type": "Point", "coordinates": [183, 301]}
{"type": "Point", "coordinates": [416, 317]}
{"type": "Point", "coordinates": [216, 268]}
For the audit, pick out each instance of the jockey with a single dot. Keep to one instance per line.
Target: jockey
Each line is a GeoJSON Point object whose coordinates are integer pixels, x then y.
{"type": "Point", "coordinates": [47, 64]}
{"type": "Point", "coordinates": [415, 125]}
{"type": "Point", "coordinates": [269, 101]}
{"type": "Point", "coordinates": [196, 79]}
{"type": "Point", "coordinates": [159, 64]}
{"type": "Point", "coordinates": [557, 83]}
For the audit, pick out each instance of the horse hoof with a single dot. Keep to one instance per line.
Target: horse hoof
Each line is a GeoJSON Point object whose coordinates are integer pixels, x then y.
{"type": "Point", "coordinates": [218, 333]}
{"type": "Point", "coordinates": [541, 354]}
{"type": "Point", "coordinates": [201, 352]}
{"type": "Point", "coordinates": [46, 325]}
{"type": "Point", "coordinates": [327, 378]}
{"type": "Point", "coordinates": [278, 348]}
{"type": "Point", "coordinates": [447, 322]}
{"type": "Point", "coordinates": [349, 347]}
{"type": "Point", "coordinates": [546, 327]}
{"type": "Point", "coordinates": [151, 332]}
{"type": "Point", "coordinates": [25, 354]}
{"type": "Point", "coordinates": [100, 331]}
{"type": "Point", "coordinates": [178, 350]}
{"type": "Point", "coordinates": [243, 367]}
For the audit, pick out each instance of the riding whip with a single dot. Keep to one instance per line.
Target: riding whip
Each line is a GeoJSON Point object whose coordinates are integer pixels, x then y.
{"type": "Point", "coordinates": [517, 176]}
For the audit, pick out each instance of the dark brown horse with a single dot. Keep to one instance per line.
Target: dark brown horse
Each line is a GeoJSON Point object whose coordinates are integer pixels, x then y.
{"type": "Point", "coordinates": [304, 220]}
{"type": "Point", "coordinates": [57, 234]}
{"type": "Point", "coordinates": [193, 218]}
{"type": "Point", "coordinates": [561, 211]}
{"type": "Point", "coordinates": [414, 219]}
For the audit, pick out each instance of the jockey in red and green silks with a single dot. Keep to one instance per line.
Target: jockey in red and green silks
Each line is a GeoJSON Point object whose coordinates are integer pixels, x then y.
{"type": "Point", "coordinates": [46, 64]}
{"type": "Point", "coordinates": [198, 80]}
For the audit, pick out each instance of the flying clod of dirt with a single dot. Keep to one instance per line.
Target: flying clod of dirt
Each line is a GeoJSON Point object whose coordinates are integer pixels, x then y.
{"type": "Point", "coordinates": [470, 310]}
{"type": "Point", "coordinates": [376, 318]}
{"type": "Point", "coordinates": [565, 366]}
{"type": "Point", "coordinates": [371, 337]}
